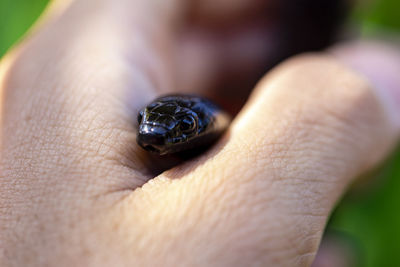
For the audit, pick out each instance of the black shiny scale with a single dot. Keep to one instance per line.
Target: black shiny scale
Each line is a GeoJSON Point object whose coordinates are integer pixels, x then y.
{"type": "Point", "coordinates": [176, 123]}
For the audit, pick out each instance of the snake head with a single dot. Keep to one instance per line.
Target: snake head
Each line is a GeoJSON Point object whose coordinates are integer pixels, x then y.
{"type": "Point", "coordinates": [166, 126]}
{"type": "Point", "coordinates": [175, 123]}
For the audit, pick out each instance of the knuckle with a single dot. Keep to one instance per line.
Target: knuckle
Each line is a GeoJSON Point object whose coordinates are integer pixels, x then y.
{"type": "Point", "coordinates": [324, 82]}
{"type": "Point", "coordinates": [324, 102]}
{"type": "Point", "coordinates": [313, 125]}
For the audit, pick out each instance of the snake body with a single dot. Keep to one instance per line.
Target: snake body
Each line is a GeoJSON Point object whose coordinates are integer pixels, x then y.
{"type": "Point", "coordinates": [176, 123]}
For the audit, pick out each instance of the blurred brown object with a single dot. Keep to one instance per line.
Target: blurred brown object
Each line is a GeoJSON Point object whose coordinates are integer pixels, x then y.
{"type": "Point", "coordinates": [275, 30]}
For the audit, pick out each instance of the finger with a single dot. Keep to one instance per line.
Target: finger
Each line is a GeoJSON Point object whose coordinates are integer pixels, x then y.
{"type": "Point", "coordinates": [264, 194]}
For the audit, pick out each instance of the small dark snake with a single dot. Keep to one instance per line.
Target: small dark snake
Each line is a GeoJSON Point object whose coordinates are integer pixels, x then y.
{"type": "Point", "coordinates": [177, 123]}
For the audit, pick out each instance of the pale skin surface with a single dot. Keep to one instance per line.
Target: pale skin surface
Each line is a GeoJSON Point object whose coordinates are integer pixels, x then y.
{"type": "Point", "coordinates": [75, 190]}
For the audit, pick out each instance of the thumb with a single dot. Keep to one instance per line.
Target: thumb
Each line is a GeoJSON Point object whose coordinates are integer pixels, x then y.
{"type": "Point", "coordinates": [264, 194]}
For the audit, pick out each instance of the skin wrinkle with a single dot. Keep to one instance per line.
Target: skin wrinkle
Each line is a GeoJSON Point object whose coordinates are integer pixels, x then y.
{"type": "Point", "coordinates": [47, 142]}
{"type": "Point", "coordinates": [47, 162]}
{"type": "Point", "coordinates": [77, 105]}
{"type": "Point", "coordinates": [306, 242]}
{"type": "Point", "coordinates": [307, 254]}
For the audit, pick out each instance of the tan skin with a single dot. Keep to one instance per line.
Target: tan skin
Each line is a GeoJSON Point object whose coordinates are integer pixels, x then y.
{"type": "Point", "coordinates": [75, 189]}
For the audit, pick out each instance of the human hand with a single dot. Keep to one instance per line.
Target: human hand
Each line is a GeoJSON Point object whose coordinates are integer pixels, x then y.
{"type": "Point", "coordinates": [76, 190]}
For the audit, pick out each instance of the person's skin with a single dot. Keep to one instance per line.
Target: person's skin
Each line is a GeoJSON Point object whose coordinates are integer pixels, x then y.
{"type": "Point", "coordinates": [76, 190]}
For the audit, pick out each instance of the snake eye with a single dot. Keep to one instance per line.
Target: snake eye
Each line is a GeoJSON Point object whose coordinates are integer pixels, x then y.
{"type": "Point", "coordinates": [140, 116]}
{"type": "Point", "coordinates": [187, 124]}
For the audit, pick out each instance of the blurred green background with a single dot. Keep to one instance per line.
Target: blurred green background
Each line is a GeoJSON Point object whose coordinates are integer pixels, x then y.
{"type": "Point", "coordinates": [369, 215]}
